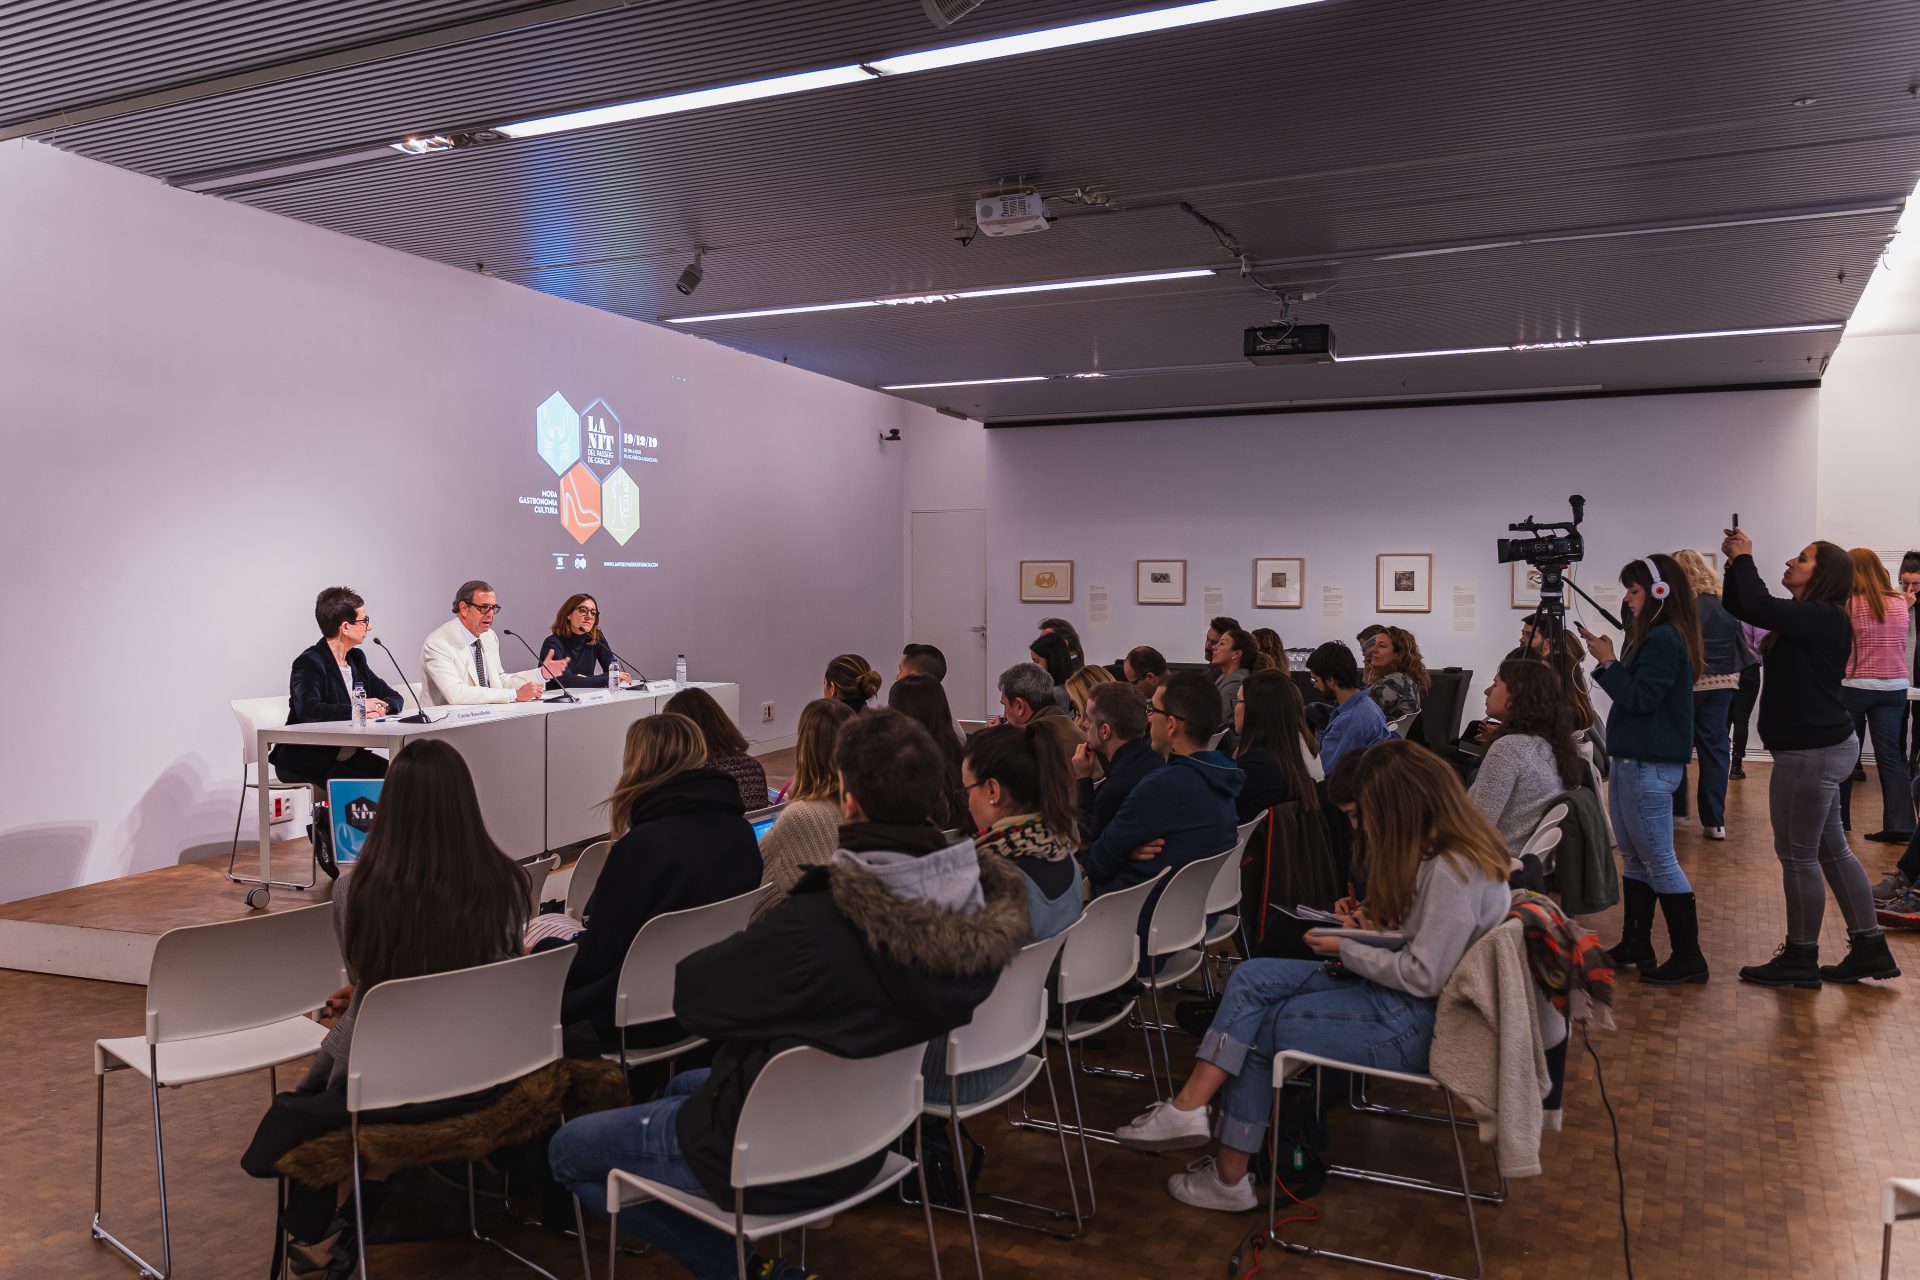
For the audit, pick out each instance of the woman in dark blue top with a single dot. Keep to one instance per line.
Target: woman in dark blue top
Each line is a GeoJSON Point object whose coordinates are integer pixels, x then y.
{"type": "Point", "coordinates": [576, 637]}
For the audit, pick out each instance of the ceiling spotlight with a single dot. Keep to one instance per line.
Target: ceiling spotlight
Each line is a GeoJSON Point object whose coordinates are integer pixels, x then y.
{"type": "Point", "coordinates": [424, 144]}
{"type": "Point", "coordinates": [1804, 102]}
{"type": "Point", "coordinates": [690, 278]}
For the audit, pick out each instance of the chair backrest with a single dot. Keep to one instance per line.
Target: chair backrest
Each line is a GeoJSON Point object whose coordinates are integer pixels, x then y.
{"type": "Point", "coordinates": [424, 1039]}
{"type": "Point", "coordinates": [645, 991]}
{"type": "Point", "coordinates": [1544, 841]}
{"type": "Point", "coordinates": [1011, 1020]}
{"type": "Point", "coordinates": [1102, 949]}
{"type": "Point", "coordinates": [1180, 916]}
{"type": "Point", "coordinates": [772, 810]}
{"type": "Point", "coordinates": [1400, 724]}
{"type": "Point", "coordinates": [258, 969]}
{"type": "Point", "coordinates": [255, 714]}
{"type": "Point", "coordinates": [1443, 705]}
{"type": "Point", "coordinates": [1213, 743]}
{"type": "Point", "coordinates": [586, 874]}
{"type": "Point", "coordinates": [1553, 817]}
{"type": "Point", "coordinates": [810, 1112]}
{"type": "Point", "coordinates": [1225, 894]}
{"type": "Point", "coordinates": [537, 871]}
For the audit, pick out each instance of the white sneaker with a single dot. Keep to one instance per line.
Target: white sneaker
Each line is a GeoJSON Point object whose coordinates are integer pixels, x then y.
{"type": "Point", "coordinates": [1164, 1127]}
{"type": "Point", "coordinates": [1200, 1186]}
{"type": "Point", "coordinates": [1716, 833]}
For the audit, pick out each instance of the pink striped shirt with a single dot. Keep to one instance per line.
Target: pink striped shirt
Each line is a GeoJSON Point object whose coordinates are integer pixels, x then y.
{"type": "Point", "coordinates": [1879, 647]}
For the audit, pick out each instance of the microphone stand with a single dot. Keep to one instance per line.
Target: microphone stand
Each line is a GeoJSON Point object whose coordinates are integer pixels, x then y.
{"type": "Point", "coordinates": [639, 677]}
{"type": "Point", "coordinates": [419, 715]}
{"type": "Point", "coordinates": [566, 695]}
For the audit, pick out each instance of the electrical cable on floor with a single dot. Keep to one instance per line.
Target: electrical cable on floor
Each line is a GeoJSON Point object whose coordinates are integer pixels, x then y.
{"type": "Point", "coordinates": [1626, 1239]}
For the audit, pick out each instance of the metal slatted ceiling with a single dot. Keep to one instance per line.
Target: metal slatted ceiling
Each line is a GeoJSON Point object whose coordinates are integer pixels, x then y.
{"type": "Point", "coordinates": [1315, 133]}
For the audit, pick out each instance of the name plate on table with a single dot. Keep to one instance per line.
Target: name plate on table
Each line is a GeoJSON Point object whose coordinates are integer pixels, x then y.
{"type": "Point", "coordinates": [474, 713]}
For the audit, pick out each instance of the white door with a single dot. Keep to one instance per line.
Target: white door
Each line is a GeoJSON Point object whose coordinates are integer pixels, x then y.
{"type": "Point", "coordinates": [947, 601]}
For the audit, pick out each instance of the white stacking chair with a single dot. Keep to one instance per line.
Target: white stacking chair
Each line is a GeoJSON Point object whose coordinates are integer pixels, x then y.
{"type": "Point", "coordinates": [769, 811]}
{"type": "Point", "coordinates": [253, 715]}
{"type": "Point", "coordinates": [1176, 935]}
{"type": "Point", "coordinates": [1213, 743]}
{"type": "Point", "coordinates": [586, 874]}
{"type": "Point", "coordinates": [1899, 1202]}
{"type": "Point", "coordinates": [1007, 1026]}
{"type": "Point", "coordinates": [417, 1040]}
{"type": "Point", "coordinates": [1223, 899]}
{"type": "Point", "coordinates": [1400, 724]}
{"type": "Point", "coordinates": [1286, 1064]}
{"type": "Point", "coordinates": [537, 870]}
{"type": "Point", "coordinates": [645, 990]}
{"type": "Point", "coordinates": [809, 1112]}
{"type": "Point", "coordinates": [1541, 845]}
{"type": "Point", "coordinates": [223, 1000]}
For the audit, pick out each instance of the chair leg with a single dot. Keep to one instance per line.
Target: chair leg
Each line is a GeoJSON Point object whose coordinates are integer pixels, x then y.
{"type": "Point", "coordinates": [473, 1228]}
{"type": "Point", "coordinates": [1886, 1249]}
{"type": "Point", "coordinates": [926, 1200]}
{"type": "Point", "coordinates": [359, 1214]}
{"type": "Point", "coordinates": [1066, 1161]}
{"type": "Point", "coordinates": [740, 1231]}
{"type": "Point", "coordinates": [580, 1230]}
{"type": "Point", "coordinates": [1166, 1059]}
{"type": "Point", "coordinates": [960, 1171]}
{"type": "Point", "coordinates": [1079, 1123]}
{"type": "Point", "coordinates": [239, 814]}
{"type": "Point", "coordinates": [1466, 1187]}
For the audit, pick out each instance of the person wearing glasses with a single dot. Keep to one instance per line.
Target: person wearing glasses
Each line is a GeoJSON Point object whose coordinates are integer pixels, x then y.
{"type": "Point", "coordinates": [462, 655]}
{"type": "Point", "coordinates": [576, 638]}
{"type": "Point", "coordinates": [1144, 668]}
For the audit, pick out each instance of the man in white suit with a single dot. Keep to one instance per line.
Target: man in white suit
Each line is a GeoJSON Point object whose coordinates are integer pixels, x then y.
{"type": "Point", "coordinates": [462, 656]}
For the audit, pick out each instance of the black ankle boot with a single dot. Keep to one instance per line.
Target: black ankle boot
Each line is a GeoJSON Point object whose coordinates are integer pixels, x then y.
{"type": "Point", "coordinates": [1685, 965]}
{"type": "Point", "coordinates": [1867, 957]}
{"type": "Point", "coordinates": [1635, 948]}
{"type": "Point", "coordinates": [1795, 964]}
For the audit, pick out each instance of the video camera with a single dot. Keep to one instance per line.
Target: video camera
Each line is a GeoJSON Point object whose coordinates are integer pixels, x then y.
{"type": "Point", "coordinates": [1556, 543]}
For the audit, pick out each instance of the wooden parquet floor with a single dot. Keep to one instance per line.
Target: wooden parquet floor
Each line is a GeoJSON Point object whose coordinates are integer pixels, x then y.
{"type": "Point", "coordinates": [1756, 1127]}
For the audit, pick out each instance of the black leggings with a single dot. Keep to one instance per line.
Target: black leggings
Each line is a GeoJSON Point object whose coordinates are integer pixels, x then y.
{"type": "Point", "coordinates": [1744, 699]}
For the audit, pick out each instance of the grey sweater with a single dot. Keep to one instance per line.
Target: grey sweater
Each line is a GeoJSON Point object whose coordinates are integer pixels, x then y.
{"type": "Point", "coordinates": [1449, 914]}
{"type": "Point", "coordinates": [1516, 782]}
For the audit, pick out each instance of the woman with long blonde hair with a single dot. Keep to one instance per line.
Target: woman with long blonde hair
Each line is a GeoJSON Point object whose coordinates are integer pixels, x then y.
{"type": "Point", "coordinates": [1437, 875]}
{"type": "Point", "coordinates": [1724, 651]}
{"type": "Point", "coordinates": [808, 829]}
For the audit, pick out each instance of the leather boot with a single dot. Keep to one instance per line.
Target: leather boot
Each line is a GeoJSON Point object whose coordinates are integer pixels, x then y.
{"type": "Point", "coordinates": [1795, 964]}
{"type": "Point", "coordinates": [1867, 957]}
{"type": "Point", "coordinates": [1685, 965]}
{"type": "Point", "coordinates": [1635, 948]}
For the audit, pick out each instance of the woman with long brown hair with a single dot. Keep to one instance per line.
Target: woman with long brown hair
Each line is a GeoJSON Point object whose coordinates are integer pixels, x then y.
{"type": "Point", "coordinates": [1437, 874]}
{"type": "Point", "coordinates": [1268, 641]}
{"type": "Point", "coordinates": [727, 747]}
{"type": "Point", "coordinates": [1396, 676]}
{"type": "Point", "coordinates": [1531, 757]}
{"type": "Point", "coordinates": [1810, 736]}
{"type": "Point", "coordinates": [577, 638]}
{"type": "Point", "coordinates": [923, 700]}
{"type": "Point", "coordinates": [1271, 745]}
{"type": "Point", "coordinates": [1874, 691]}
{"type": "Point", "coordinates": [808, 829]}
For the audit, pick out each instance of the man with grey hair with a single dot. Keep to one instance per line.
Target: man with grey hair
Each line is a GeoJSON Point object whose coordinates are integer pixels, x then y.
{"type": "Point", "coordinates": [462, 655]}
{"type": "Point", "coordinates": [1026, 698]}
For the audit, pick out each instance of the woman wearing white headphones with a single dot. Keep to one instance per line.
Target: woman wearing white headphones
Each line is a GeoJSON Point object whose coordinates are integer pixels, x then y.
{"type": "Point", "coordinates": [1650, 737]}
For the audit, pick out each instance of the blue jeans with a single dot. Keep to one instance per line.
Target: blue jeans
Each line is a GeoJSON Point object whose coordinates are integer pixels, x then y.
{"type": "Point", "coordinates": [1877, 712]}
{"type": "Point", "coordinates": [1640, 801]}
{"type": "Point", "coordinates": [643, 1140]}
{"type": "Point", "coordinates": [1711, 708]}
{"type": "Point", "coordinates": [1270, 1005]}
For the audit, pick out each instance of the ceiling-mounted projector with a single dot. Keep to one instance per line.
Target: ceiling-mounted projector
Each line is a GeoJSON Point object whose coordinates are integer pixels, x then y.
{"type": "Point", "coordinates": [1010, 213]}
{"type": "Point", "coordinates": [1289, 344]}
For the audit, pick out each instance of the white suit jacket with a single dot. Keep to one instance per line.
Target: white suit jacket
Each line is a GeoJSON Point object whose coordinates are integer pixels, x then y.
{"type": "Point", "coordinates": [447, 658]}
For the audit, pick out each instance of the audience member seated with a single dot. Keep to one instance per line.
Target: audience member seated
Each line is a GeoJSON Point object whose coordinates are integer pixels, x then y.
{"type": "Point", "coordinates": [576, 637]}
{"type": "Point", "coordinates": [923, 700]}
{"type": "Point", "coordinates": [808, 830]}
{"type": "Point", "coordinates": [1268, 642]}
{"type": "Point", "coordinates": [1530, 758]}
{"type": "Point", "coordinates": [1177, 814]}
{"type": "Point", "coordinates": [1271, 740]}
{"type": "Point", "coordinates": [680, 840]}
{"type": "Point", "coordinates": [461, 657]}
{"type": "Point", "coordinates": [430, 893]}
{"type": "Point", "coordinates": [922, 660]}
{"type": "Point", "coordinates": [852, 680]}
{"type": "Point", "coordinates": [1234, 657]}
{"type": "Point", "coordinates": [1568, 665]}
{"type": "Point", "coordinates": [1357, 720]}
{"type": "Point", "coordinates": [320, 688]}
{"type": "Point", "coordinates": [1026, 696]}
{"type": "Point", "coordinates": [1076, 656]}
{"type": "Point", "coordinates": [1395, 676]}
{"type": "Point", "coordinates": [1366, 634]}
{"type": "Point", "coordinates": [726, 745]}
{"type": "Point", "coordinates": [1217, 627]}
{"type": "Point", "coordinates": [1144, 668]}
{"type": "Point", "coordinates": [894, 943]}
{"type": "Point", "coordinates": [1049, 652]}
{"type": "Point", "coordinates": [1080, 685]}
{"type": "Point", "coordinates": [1439, 877]}
{"type": "Point", "coordinates": [1115, 739]}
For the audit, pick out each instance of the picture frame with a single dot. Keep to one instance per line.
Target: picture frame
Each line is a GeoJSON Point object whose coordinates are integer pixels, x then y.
{"type": "Point", "coordinates": [1403, 582]}
{"type": "Point", "coordinates": [1526, 585]}
{"type": "Point", "coordinates": [1279, 582]}
{"type": "Point", "coordinates": [1046, 582]}
{"type": "Point", "coordinates": [1160, 582]}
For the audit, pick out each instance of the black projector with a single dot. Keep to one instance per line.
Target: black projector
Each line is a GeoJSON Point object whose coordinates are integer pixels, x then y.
{"type": "Point", "coordinates": [1290, 344]}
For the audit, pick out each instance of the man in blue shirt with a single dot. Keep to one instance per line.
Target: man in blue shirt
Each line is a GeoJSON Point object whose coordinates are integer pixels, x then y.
{"type": "Point", "coordinates": [1357, 719]}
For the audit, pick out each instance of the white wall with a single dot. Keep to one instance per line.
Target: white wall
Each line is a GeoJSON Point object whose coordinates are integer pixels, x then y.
{"type": "Point", "coordinates": [1658, 472]}
{"type": "Point", "coordinates": [209, 413]}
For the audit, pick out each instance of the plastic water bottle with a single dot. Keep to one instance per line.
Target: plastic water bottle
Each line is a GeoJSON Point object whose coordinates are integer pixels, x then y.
{"type": "Point", "coordinates": [359, 706]}
{"type": "Point", "coordinates": [680, 670]}
{"type": "Point", "coordinates": [613, 674]}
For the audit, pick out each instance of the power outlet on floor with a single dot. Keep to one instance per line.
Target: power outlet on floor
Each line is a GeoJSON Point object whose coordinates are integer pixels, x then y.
{"type": "Point", "coordinates": [766, 713]}
{"type": "Point", "coordinates": [283, 808]}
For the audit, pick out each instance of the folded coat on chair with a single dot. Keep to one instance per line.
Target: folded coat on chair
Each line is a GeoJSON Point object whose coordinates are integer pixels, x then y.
{"type": "Point", "coordinates": [1488, 1048]}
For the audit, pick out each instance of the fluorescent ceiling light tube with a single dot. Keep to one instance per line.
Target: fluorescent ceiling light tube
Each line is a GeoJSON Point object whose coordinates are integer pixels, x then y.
{"type": "Point", "coordinates": [1419, 355]}
{"type": "Point", "coordinates": [1167, 19]}
{"type": "Point", "coordinates": [1570, 343]}
{"type": "Point", "coordinates": [909, 299]}
{"type": "Point", "coordinates": [964, 382]}
{"type": "Point", "coordinates": [1715, 333]}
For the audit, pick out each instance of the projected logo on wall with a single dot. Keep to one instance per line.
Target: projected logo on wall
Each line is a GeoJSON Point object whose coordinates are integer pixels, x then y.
{"type": "Point", "coordinates": [590, 453]}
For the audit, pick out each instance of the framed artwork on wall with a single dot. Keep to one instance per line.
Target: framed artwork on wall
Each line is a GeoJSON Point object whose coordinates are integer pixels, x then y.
{"type": "Point", "coordinates": [1403, 582]}
{"type": "Point", "coordinates": [1526, 585]}
{"type": "Point", "coordinates": [1279, 582]}
{"type": "Point", "coordinates": [1046, 582]}
{"type": "Point", "coordinates": [1160, 581]}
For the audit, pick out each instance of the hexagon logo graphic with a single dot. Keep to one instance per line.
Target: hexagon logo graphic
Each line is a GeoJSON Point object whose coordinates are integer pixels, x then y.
{"type": "Point", "coordinates": [556, 433]}
{"type": "Point", "coordinates": [620, 505]}
{"type": "Point", "coordinates": [603, 436]}
{"type": "Point", "coordinates": [580, 502]}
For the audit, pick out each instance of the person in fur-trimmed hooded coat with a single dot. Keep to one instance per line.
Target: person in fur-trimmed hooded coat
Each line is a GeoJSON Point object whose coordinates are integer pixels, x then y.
{"type": "Point", "coordinates": [894, 943]}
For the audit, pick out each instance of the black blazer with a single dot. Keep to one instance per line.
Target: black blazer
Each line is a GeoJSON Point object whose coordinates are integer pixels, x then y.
{"type": "Point", "coordinates": [315, 694]}
{"type": "Point", "coordinates": [583, 657]}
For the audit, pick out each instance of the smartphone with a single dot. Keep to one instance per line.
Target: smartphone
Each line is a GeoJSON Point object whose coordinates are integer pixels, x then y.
{"type": "Point", "coordinates": [1736, 521]}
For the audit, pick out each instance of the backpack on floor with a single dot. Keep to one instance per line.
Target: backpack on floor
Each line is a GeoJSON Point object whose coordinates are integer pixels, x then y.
{"type": "Point", "coordinates": [943, 1171]}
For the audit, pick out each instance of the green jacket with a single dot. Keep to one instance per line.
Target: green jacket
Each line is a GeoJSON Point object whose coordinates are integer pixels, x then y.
{"type": "Point", "coordinates": [1652, 692]}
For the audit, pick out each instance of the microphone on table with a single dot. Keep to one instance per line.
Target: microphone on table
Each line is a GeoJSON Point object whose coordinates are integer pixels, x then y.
{"type": "Point", "coordinates": [419, 715]}
{"type": "Point", "coordinates": [566, 695]}
{"type": "Point", "coordinates": [626, 666]}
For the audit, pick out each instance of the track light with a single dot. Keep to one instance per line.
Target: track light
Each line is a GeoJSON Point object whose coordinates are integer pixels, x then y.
{"type": "Point", "coordinates": [690, 278]}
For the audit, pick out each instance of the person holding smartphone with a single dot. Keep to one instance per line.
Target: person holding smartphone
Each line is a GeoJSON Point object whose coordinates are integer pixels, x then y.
{"type": "Point", "coordinates": [1650, 738]}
